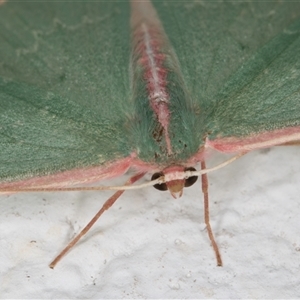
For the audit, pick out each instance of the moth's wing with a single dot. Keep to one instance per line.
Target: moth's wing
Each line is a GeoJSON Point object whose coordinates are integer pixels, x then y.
{"type": "Point", "coordinates": [64, 86]}
{"type": "Point", "coordinates": [241, 64]}
{"type": "Point", "coordinates": [259, 106]}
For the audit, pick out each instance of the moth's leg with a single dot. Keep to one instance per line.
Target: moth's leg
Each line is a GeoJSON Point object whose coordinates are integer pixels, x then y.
{"type": "Point", "coordinates": [204, 182]}
{"type": "Point", "coordinates": [105, 207]}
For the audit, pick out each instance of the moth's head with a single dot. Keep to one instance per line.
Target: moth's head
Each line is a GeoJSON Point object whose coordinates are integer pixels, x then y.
{"type": "Point", "coordinates": [175, 180]}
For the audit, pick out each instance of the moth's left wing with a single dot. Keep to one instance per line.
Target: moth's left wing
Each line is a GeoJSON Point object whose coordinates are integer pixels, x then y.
{"type": "Point", "coordinates": [64, 90]}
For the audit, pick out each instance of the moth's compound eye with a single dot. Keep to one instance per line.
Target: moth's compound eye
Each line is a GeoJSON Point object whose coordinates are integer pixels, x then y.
{"type": "Point", "coordinates": [160, 187]}
{"type": "Point", "coordinates": [191, 180]}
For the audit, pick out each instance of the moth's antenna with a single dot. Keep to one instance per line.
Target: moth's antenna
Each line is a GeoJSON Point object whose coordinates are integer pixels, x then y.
{"type": "Point", "coordinates": [205, 171]}
{"type": "Point", "coordinates": [160, 180]}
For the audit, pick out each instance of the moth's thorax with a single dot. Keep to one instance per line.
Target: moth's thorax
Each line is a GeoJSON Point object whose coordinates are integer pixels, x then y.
{"type": "Point", "coordinates": [159, 92]}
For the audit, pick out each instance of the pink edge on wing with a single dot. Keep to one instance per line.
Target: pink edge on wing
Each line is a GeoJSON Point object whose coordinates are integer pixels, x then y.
{"type": "Point", "coordinates": [258, 141]}
{"type": "Point", "coordinates": [149, 40]}
{"type": "Point", "coordinates": [73, 177]}
{"type": "Point", "coordinates": [202, 154]}
{"type": "Point", "coordinates": [80, 176]}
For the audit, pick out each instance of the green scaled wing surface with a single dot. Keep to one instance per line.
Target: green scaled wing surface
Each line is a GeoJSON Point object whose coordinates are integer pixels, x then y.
{"type": "Point", "coordinates": [64, 86]}
{"type": "Point", "coordinates": [240, 61]}
{"type": "Point", "coordinates": [65, 81]}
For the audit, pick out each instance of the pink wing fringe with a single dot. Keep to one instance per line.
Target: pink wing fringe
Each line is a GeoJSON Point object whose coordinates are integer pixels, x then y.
{"type": "Point", "coordinates": [120, 167]}
{"type": "Point", "coordinates": [263, 140]}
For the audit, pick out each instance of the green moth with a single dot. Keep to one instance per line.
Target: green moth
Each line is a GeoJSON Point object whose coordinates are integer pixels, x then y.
{"type": "Point", "coordinates": [89, 90]}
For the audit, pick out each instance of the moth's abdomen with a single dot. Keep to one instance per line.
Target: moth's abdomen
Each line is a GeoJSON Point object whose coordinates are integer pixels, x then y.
{"type": "Point", "coordinates": [157, 84]}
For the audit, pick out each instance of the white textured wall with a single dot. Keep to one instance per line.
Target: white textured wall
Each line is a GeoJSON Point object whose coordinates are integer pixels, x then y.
{"type": "Point", "coordinates": [152, 246]}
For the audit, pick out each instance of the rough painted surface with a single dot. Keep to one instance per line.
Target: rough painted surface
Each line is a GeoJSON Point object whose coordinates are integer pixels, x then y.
{"type": "Point", "coordinates": [150, 245]}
